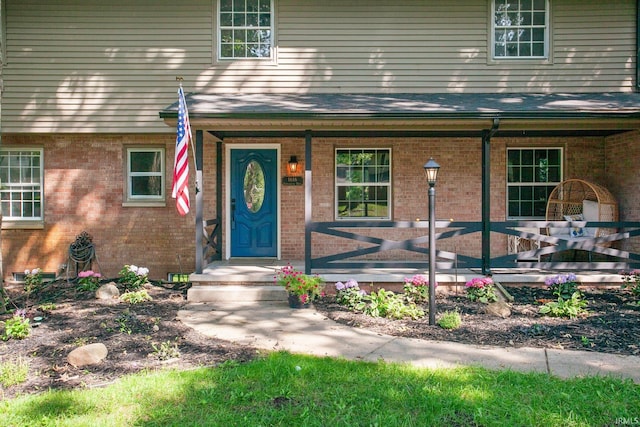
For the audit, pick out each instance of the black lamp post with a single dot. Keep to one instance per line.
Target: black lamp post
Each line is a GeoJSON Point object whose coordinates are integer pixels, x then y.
{"type": "Point", "coordinates": [431, 172]}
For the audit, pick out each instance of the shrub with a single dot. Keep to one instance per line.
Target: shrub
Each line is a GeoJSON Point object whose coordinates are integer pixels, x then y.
{"type": "Point", "coordinates": [450, 320]}
{"type": "Point", "coordinates": [481, 289]}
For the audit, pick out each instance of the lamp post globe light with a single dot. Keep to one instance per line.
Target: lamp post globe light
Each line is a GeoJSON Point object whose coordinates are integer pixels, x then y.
{"type": "Point", "coordinates": [431, 172]}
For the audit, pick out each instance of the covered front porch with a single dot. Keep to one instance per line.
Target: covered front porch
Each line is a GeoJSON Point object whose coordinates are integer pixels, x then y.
{"type": "Point", "coordinates": [414, 126]}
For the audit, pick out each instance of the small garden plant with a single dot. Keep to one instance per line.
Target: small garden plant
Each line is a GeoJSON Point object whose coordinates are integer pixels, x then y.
{"type": "Point", "coordinates": [563, 285]}
{"type": "Point", "coordinates": [307, 287]}
{"type": "Point", "coordinates": [88, 280]}
{"type": "Point", "coordinates": [350, 295]}
{"type": "Point", "coordinates": [481, 289]}
{"type": "Point", "coordinates": [17, 327]}
{"type": "Point", "coordinates": [132, 277]}
{"type": "Point", "coordinates": [631, 281]}
{"type": "Point", "coordinates": [381, 303]}
{"type": "Point", "coordinates": [136, 297]}
{"type": "Point", "coordinates": [32, 283]}
{"type": "Point", "coordinates": [416, 288]}
{"type": "Point", "coordinates": [450, 320]}
{"type": "Point", "coordinates": [569, 303]}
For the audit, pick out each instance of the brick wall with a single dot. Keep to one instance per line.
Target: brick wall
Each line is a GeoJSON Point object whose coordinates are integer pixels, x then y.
{"type": "Point", "coordinates": [623, 178]}
{"type": "Point", "coordinates": [84, 179]}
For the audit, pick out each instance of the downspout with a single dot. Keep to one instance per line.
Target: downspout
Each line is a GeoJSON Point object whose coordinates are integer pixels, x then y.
{"type": "Point", "coordinates": [486, 195]}
{"type": "Point", "coordinates": [308, 202]}
{"type": "Point", "coordinates": [638, 45]}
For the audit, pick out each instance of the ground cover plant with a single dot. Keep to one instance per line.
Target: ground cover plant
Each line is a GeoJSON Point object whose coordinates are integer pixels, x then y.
{"type": "Point", "coordinates": [280, 389]}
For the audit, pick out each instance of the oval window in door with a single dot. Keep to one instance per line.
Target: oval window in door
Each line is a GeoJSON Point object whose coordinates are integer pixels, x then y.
{"type": "Point", "coordinates": [253, 186]}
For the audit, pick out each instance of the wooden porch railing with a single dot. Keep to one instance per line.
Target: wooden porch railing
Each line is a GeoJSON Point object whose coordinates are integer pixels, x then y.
{"type": "Point", "coordinates": [542, 258]}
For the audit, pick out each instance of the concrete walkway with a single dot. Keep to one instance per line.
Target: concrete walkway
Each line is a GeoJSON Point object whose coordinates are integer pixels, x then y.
{"type": "Point", "coordinates": [272, 325]}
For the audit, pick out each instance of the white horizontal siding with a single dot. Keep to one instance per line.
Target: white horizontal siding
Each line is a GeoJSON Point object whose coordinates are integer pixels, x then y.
{"type": "Point", "coordinates": [96, 66]}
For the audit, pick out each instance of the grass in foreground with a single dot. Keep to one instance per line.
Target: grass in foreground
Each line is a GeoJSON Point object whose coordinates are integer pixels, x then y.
{"type": "Point", "coordinates": [281, 389]}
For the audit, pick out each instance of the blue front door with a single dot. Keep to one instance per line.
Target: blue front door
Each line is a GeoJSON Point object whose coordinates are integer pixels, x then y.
{"type": "Point", "coordinates": [254, 213]}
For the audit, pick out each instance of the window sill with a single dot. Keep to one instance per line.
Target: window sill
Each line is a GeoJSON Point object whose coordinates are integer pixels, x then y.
{"type": "Point", "coordinates": [137, 204]}
{"type": "Point", "coordinates": [22, 225]}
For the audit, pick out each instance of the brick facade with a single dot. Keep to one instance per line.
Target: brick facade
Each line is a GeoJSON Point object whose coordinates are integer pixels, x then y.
{"type": "Point", "coordinates": [84, 181]}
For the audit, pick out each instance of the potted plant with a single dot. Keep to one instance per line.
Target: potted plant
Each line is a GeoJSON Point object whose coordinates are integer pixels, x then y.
{"type": "Point", "coordinates": [302, 288]}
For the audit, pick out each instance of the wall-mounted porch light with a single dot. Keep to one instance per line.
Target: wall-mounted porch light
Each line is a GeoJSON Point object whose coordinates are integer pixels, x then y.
{"type": "Point", "coordinates": [292, 166]}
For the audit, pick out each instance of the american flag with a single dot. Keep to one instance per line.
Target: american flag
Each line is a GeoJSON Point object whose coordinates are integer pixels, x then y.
{"type": "Point", "coordinates": [180, 189]}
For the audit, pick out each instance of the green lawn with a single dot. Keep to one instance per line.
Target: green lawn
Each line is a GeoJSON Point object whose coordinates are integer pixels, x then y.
{"type": "Point", "coordinates": [281, 389]}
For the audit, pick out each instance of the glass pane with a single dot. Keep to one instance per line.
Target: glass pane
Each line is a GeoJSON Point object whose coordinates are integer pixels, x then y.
{"type": "Point", "coordinates": [254, 189]}
{"type": "Point", "coordinates": [526, 209]}
{"type": "Point", "coordinates": [146, 186]}
{"type": "Point", "coordinates": [238, 19]}
{"type": "Point", "coordinates": [554, 174]}
{"type": "Point", "coordinates": [526, 193]}
{"type": "Point", "coordinates": [226, 20]}
{"type": "Point", "coordinates": [514, 209]}
{"type": "Point", "coordinates": [226, 5]}
{"type": "Point", "coordinates": [252, 19]}
{"type": "Point", "coordinates": [527, 157]}
{"type": "Point", "coordinates": [540, 209]}
{"type": "Point", "coordinates": [265, 20]}
{"type": "Point", "coordinates": [538, 18]}
{"type": "Point", "coordinates": [537, 49]}
{"type": "Point", "coordinates": [146, 161]}
{"type": "Point", "coordinates": [238, 6]}
{"type": "Point", "coordinates": [527, 174]}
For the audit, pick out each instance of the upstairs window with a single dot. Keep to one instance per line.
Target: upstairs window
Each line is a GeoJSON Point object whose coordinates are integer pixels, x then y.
{"type": "Point", "coordinates": [21, 172]}
{"type": "Point", "coordinates": [520, 29]}
{"type": "Point", "coordinates": [245, 29]}
{"type": "Point", "coordinates": [145, 174]}
{"type": "Point", "coordinates": [363, 183]}
{"type": "Point", "coordinates": [532, 174]}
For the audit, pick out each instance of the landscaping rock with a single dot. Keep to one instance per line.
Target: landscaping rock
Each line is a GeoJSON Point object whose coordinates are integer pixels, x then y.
{"type": "Point", "coordinates": [90, 354]}
{"type": "Point", "coordinates": [108, 291]}
{"type": "Point", "coordinates": [498, 309]}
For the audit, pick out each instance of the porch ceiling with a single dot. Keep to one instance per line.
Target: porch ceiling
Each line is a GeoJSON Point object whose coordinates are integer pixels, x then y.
{"type": "Point", "coordinates": [589, 113]}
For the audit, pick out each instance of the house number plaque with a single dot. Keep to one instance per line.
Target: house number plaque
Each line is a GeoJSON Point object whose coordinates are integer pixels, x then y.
{"type": "Point", "coordinates": [292, 180]}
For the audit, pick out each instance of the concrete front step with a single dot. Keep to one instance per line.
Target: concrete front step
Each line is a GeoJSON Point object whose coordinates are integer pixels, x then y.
{"type": "Point", "coordinates": [236, 293]}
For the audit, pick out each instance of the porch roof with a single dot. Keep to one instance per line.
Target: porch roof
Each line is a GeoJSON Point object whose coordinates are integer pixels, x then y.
{"type": "Point", "coordinates": [613, 112]}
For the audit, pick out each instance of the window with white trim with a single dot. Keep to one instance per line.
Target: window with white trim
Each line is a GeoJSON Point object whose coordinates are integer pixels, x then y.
{"type": "Point", "coordinates": [363, 183]}
{"type": "Point", "coordinates": [532, 173]}
{"type": "Point", "coordinates": [145, 174]}
{"type": "Point", "coordinates": [21, 175]}
{"type": "Point", "coordinates": [245, 29]}
{"type": "Point", "coordinates": [520, 29]}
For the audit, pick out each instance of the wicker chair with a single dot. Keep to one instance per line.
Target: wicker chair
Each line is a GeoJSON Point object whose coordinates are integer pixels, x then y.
{"type": "Point", "coordinates": [578, 200]}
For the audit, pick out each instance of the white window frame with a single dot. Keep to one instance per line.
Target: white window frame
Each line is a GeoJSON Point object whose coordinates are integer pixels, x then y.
{"type": "Point", "coordinates": [221, 28]}
{"type": "Point", "coordinates": [37, 187]}
{"type": "Point", "coordinates": [145, 199]}
{"type": "Point", "coordinates": [339, 184]}
{"type": "Point", "coordinates": [531, 184]}
{"type": "Point", "coordinates": [545, 27]}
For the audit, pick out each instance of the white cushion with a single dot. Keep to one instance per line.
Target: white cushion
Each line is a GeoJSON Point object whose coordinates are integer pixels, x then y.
{"type": "Point", "coordinates": [590, 212]}
{"type": "Point", "coordinates": [575, 230]}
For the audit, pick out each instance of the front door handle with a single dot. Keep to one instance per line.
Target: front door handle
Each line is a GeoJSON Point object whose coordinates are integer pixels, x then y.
{"type": "Point", "coordinates": [233, 214]}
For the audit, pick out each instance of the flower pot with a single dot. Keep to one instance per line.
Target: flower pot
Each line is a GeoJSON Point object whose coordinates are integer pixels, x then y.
{"type": "Point", "coordinates": [296, 302]}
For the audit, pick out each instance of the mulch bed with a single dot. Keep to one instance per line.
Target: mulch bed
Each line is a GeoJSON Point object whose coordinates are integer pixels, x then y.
{"type": "Point", "coordinates": [612, 324]}
{"type": "Point", "coordinates": [128, 331]}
